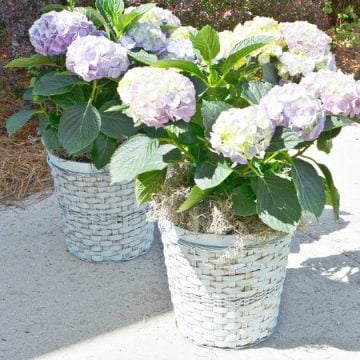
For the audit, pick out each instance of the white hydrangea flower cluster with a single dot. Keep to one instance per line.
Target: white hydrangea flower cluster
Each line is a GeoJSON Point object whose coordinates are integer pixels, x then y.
{"type": "Point", "coordinates": [156, 96]}
{"type": "Point", "coordinates": [182, 33]}
{"type": "Point", "coordinates": [262, 26]}
{"type": "Point", "coordinates": [308, 49]}
{"type": "Point", "coordinates": [292, 106]}
{"type": "Point", "coordinates": [299, 47]}
{"type": "Point", "coordinates": [241, 134]}
{"type": "Point", "coordinates": [227, 43]}
{"type": "Point", "coordinates": [339, 93]}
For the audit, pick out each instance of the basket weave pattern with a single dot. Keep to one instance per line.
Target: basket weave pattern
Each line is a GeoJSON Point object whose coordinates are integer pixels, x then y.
{"type": "Point", "coordinates": [225, 297]}
{"type": "Point", "coordinates": [102, 222]}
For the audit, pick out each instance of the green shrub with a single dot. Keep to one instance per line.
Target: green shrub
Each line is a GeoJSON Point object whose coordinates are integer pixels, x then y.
{"type": "Point", "coordinates": [346, 21]}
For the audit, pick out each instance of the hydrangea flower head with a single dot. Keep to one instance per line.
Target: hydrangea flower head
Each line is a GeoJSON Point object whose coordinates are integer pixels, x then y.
{"type": "Point", "coordinates": [292, 106]}
{"type": "Point", "coordinates": [55, 31]}
{"type": "Point", "coordinates": [262, 26]}
{"type": "Point", "coordinates": [96, 57]}
{"type": "Point", "coordinates": [179, 45]}
{"type": "Point", "coordinates": [241, 134]}
{"type": "Point", "coordinates": [146, 36]}
{"type": "Point", "coordinates": [147, 32]}
{"type": "Point", "coordinates": [156, 96]}
{"type": "Point", "coordinates": [308, 49]}
{"type": "Point", "coordinates": [339, 93]}
{"type": "Point", "coordinates": [179, 49]}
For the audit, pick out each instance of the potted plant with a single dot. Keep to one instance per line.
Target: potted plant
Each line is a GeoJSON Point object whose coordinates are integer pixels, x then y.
{"type": "Point", "coordinates": [226, 166]}
{"type": "Point", "coordinates": [81, 54]}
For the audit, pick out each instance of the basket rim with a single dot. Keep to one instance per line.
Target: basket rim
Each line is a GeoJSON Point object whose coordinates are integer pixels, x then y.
{"type": "Point", "coordinates": [219, 242]}
{"type": "Point", "coordinates": [73, 166]}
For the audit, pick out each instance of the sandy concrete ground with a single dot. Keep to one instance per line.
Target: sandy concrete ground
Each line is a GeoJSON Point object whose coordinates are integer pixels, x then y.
{"type": "Point", "coordinates": [55, 307]}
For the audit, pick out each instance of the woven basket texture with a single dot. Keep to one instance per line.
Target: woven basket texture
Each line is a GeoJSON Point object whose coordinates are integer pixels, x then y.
{"type": "Point", "coordinates": [225, 296]}
{"type": "Point", "coordinates": [102, 222]}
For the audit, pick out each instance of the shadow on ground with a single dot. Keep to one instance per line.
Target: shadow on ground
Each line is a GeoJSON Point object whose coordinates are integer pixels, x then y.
{"type": "Point", "coordinates": [321, 304]}
{"type": "Point", "coordinates": [314, 229]}
{"type": "Point", "coordinates": [50, 300]}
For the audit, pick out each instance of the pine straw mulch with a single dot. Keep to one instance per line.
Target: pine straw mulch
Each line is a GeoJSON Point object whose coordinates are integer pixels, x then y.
{"type": "Point", "coordinates": [23, 168]}
{"type": "Point", "coordinates": [348, 59]}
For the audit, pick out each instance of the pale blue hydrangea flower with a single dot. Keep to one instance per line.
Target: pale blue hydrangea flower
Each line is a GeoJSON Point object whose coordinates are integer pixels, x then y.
{"type": "Point", "coordinates": [179, 45]}
{"type": "Point", "coordinates": [179, 49]}
{"type": "Point", "coordinates": [146, 36]}
{"type": "Point", "coordinates": [148, 32]}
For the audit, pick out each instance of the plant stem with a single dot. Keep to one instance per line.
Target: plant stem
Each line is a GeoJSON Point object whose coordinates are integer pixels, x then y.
{"type": "Point", "coordinates": [254, 170]}
{"type": "Point", "coordinates": [309, 158]}
{"type": "Point", "coordinates": [93, 92]}
{"type": "Point", "coordinates": [300, 152]}
{"type": "Point", "coordinates": [274, 154]}
{"type": "Point", "coordinates": [174, 141]}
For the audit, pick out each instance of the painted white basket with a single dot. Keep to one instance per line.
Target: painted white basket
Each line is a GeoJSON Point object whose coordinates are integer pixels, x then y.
{"type": "Point", "coordinates": [226, 291]}
{"type": "Point", "coordinates": [102, 222]}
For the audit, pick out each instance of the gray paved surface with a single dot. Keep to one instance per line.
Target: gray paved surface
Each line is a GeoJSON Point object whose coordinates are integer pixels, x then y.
{"type": "Point", "coordinates": [55, 307]}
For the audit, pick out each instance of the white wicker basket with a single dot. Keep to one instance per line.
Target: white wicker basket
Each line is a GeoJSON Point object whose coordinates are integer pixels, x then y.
{"type": "Point", "coordinates": [102, 222]}
{"type": "Point", "coordinates": [226, 291]}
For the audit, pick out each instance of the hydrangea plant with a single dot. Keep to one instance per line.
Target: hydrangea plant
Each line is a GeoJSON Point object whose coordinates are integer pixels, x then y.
{"type": "Point", "coordinates": [238, 128]}
{"type": "Point", "coordinates": [74, 75]}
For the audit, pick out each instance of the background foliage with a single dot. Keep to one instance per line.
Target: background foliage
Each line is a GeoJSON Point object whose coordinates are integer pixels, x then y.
{"type": "Point", "coordinates": [16, 16]}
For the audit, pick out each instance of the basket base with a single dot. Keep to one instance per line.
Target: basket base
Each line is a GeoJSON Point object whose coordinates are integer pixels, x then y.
{"type": "Point", "coordinates": [113, 253]}
{"type": "Point", "coordinates": [228, 348]}
{"type": "Point", "coordinates": [250, 345]}
{"type": "Point", "coordinates": [107, 259]}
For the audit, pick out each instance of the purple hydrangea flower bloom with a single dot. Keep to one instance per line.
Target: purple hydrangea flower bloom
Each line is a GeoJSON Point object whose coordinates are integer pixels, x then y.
{"type": "Point", "coordinates": [292, 106]}
{"type": "Point", "coordinates": [157, 96]}
{"type": "Point", "coordinates": [55, 31]}
{"type": "Point", "coordinates": [339, 93]}
{"type": "Point", "coordinates": [96, 57]}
